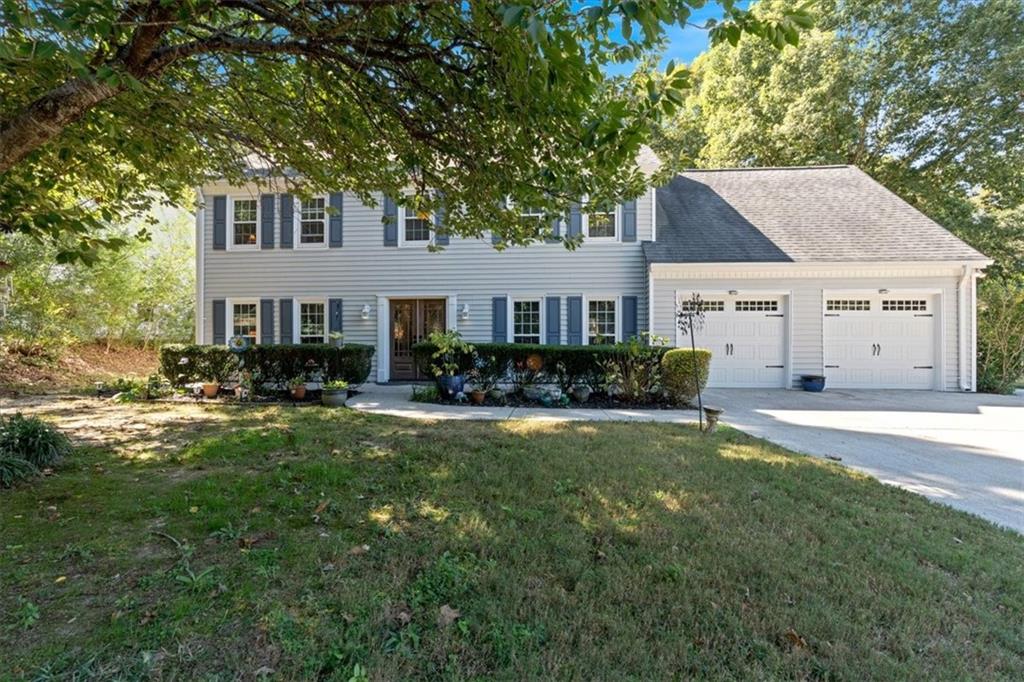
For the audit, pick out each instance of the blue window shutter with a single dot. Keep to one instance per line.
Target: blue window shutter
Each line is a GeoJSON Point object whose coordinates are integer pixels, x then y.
{"type": "Point", "coordinates": [574, 323]}
{"type": "Point", "coordinates": [285, 304]}
{"type": "Point", "coordinates": [267, 202]}
{"type": "Point", "coordinates": [499, 319]}
{"type": "Point", "coordinates": [287, 221]}
{"type": "Point", "coordinates": [390, 222]}
{"type": "Point", "coordinates": [334, 222]}
{"type": "Point", "coordinates": [629, 221]}
{"type": "Point", "coordinates": [440, 234]}
{"type": "Point", "coordinates": [553, 320]}
{"type": "Point", "coordinates": [575, 220]}
{"type": "Point", "coordinates": [267, 321]}
{"type": "Point", "coordinates": [630, 323]}
{"type": "Point", "coordinates": [334, 305]}
{"type": "Point", "coordinates": [219, 315]}
{"type": "Point", "coordinates": [220, 222]}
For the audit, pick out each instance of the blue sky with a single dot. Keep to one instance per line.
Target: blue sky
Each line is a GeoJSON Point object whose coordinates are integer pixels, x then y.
{"type": "Point", "coordinates": [684, 43]}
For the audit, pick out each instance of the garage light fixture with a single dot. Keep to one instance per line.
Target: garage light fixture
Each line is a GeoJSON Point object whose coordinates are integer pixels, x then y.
{"type": "Point", "coordinates": [883, 291]}
{"type": "Point", "coordinates": [733, 292]}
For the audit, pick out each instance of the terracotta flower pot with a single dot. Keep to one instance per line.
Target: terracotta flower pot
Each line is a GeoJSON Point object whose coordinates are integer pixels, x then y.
{"type": "Point", "coordinates": [211, 390]}
{"type": "Point", "coordinates": [477, 397]}
{"type": "Point", "coordinates": [299, 392]}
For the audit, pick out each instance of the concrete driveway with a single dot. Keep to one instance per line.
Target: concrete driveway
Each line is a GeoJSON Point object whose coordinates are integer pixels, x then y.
{"type": "Point", "coordinates": [962, 449]}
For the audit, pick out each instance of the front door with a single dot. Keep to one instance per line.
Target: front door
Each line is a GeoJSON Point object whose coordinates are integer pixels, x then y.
{"type": "Point", "coordinates": [411, 321]}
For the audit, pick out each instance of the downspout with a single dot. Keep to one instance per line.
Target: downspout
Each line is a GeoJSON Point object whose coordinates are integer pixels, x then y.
{"type": "Point", "coordinates": [975, 275]}
{"type": "Point", "coordinates": [961, 328]}
{"type": "Point", "coordinates": [650, 300]}
{"type": "Point", "coordinates": [200, 279]}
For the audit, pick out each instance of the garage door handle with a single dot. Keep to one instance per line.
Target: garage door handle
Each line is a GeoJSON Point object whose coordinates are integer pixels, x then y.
{"type": "Point", "coordinates": [775, 315]}
{"type": "Point", "coordinates": [923, 367]}
{"type": "Point", "coordinates": [923, 315]}
{"type": "Point", "coordinates": [775, 366]}
{"type": "Point", "coordinates": [831, 366]}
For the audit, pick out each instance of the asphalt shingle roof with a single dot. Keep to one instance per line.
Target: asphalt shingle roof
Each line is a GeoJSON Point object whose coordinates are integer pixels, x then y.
{"type": "Point", "coordinates": [807, 214]}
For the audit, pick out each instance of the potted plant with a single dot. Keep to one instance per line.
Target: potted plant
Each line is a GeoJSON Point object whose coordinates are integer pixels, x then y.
{"type": "Point", "coordinates": [814, 383]}
{"type": "Point", "coordinates": [485, 376]}
{"type": "Point", "coordinates": [210, 387]}
{"type": "Point", "coordinates": [297, 387]}
{"type": "Point", "coordinates": [580, 393]}
{"type": "Point", "coordinates": [447, 362]}
{"type": "Point", "coordinates": [334, 393]}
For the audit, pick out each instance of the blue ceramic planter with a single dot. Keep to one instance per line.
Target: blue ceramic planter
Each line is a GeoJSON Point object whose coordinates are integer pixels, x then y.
{"type": "Point", "coordinates": [812, 382]}
{"type": "Point", "coordinates": [451, 386]}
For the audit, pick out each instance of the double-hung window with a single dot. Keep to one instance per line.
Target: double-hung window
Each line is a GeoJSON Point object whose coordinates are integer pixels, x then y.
{"type": "Point", "coordinates": [243, 222]}
{"type": "Point", "coordinates": [415, 227]}
{"type": "Point", "coordinates": [601, 321]}
{"type": "Point", "coordinates": [312, 221]}
{"type": "Point", "coordinates": [244, 321]}
{"type": "Point", "coordinates": [526, 318]}
{"type": "Point", "coordinates": [602, 223]}
{"type": "Point", "coordinates": [312, 323]}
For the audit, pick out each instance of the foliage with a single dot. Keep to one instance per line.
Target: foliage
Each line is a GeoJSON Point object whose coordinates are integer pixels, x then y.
{"type": "Point", "coordinates": [272, 365]}
{"type": "Point", "coordinates": [335, 385]}
{"type": "Point", "coordinates": [486, 373]}
{"type": "Point", "coordinates": [523, 364]}
{"type": "Point", "coordinates": [1000, 336]}
{"type": "Point", "coordinates": [425, 394]}
{"type": "Point", "coordinates": [297, 381]}
{"type": "Point", "coordinates": [685, 372]}
{"type": "Point", "coordinates": [633, 370]}
{"type": "Point", "coordinates": [33, 440]}
{"type": "Point", "coordinates": [449, 354]}
{"type": "Point", "coordinates": [923, 96]}
{"type": "Point", "coordinates": [141, 295]}
{"type": "Point", "coordinates": [14, 469]}
{"type": "Point", "coordinates": [109, 101]}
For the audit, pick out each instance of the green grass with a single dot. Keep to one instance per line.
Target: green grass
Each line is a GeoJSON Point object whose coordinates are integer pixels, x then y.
{"type": "Point", "coordinates": [227, 543]}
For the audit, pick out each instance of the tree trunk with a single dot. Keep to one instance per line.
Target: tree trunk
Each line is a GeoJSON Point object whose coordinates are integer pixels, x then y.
{"type": "Point", "coordinates": [45, 118]}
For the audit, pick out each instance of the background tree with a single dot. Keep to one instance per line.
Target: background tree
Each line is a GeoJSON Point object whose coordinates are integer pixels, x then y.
{"type": "Point", "coordinates": [104, 100]}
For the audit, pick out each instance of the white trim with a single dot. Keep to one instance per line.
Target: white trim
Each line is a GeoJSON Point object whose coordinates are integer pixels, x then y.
{"type": "Point", "coordinates": [961, 328]}
{"type": "Point", "coordinates": [973, 347]}
{"type": "Point", "coordinates": [200, 262]}
{"type": "Point", "coordinates": [402, 243]}
{"type": "Point", "coordinates": [654, 214]}
{"type": "Point", "coordinates": [807, 269]}
{"type": "Point", "coordinates": [585, 226]}
{"type": "Point", "coordinates": [617, 300]}
{"type": "Point", "coordinates": [297, 317]}
{"type": "Point", "coordinates": [383, 312]}
{"type": "Point", "coordinates": [539, 299]}
{"type": "Point", "coordinates": [297, 224]}
{"type": "Point", "coordinates": [229, 314]}
{"type": "Point", "coordinates": [650, 303]}
{"type": "Point", "coordinates": [229, 242]}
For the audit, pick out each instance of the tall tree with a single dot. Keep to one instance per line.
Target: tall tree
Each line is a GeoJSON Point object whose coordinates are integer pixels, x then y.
{"type": "Point", "coordinates": [103, 100]}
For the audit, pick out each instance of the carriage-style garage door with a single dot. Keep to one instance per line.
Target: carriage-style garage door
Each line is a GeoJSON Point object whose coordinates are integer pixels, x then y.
{"type": "Point", "coordinates": [747, 339]}
{"type": "Point", "coordinates": [880, 341]}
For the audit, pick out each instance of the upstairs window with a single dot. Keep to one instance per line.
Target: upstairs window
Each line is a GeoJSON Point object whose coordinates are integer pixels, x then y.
{"type": "Point", "coordinates": [312, 221]}
{"type": "Point", "coordinates": [526, 322]}
{"type": "Point", "coordinates": [416, 227]}
{"type": "Point", "coordinates": [311, 323]}
{"type": "Point", "coordinates": [601, 223]}
{"type": "Point", "coordinates": [601, 322]}
{"type": "Point", "coordinates": [243, 321]}
{"type": "Point", "coordinates": [243, 223]}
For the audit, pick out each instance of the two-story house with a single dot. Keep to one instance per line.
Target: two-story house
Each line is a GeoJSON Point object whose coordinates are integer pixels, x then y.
{"type": "Point", "coordinates": [803, 270]}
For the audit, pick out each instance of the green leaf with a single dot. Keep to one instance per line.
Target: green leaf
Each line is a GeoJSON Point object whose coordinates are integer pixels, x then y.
{"type": "Point", "coordinates": [513, 15]}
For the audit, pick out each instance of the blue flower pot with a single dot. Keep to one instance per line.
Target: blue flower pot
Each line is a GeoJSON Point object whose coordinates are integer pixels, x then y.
{"type": "Point", "coordinates": [451, 386]}
{"type": "Point", "coordinates": [815, 383]}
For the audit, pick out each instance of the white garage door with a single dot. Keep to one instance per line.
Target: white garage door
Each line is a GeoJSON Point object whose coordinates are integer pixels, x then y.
{"type": "Point", "coordinates": [746, 336]}
{"type": "Point", "coordinates": [880, 341]}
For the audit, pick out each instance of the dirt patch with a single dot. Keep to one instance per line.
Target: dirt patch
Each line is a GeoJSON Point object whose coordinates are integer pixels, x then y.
{"type": "Point", "coordinates": [75, 368]}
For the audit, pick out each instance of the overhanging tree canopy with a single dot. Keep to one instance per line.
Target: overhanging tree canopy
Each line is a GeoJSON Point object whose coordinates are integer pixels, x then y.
{"type": "Point", "coordinates": [104, 101]}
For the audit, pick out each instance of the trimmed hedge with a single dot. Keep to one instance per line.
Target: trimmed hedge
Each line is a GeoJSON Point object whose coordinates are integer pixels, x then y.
{"type": "Point", "coordinates": [677, 372]}
{"type": "Point", "coordinates": [526, 363]}
{"type": "Point", "coordinates": [274, 365]}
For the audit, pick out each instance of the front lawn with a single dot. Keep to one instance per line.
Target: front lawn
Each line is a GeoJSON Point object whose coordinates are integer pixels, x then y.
{"type": "Point", "coordinates": [189, 543]}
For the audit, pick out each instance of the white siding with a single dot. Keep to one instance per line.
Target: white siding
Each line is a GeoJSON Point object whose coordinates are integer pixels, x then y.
{"type": "Point", "coordinates": [363, 268]}
{"type": "Point", "coordinates": [807, 286]}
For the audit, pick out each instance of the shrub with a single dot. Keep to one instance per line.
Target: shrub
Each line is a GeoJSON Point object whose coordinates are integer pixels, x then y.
{"type": "Point", "coordinates": [273, 365]}
{"type": "Point", "coordinates": [1000, 336]}
{"type": "Point", "coordinates": [32, 440]}
{"type": "Point", "coordinates": [14, 469]}
{"type": "Point", "coordinates": [677, 372]}
{"type": "Point", "coordinates": [633, 369]}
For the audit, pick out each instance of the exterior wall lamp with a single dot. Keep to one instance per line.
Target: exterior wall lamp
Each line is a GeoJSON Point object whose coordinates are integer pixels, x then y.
{"type": "Point", "coordinates": [464, 312]}
{"type": "Point", "coordinates": [365, 312]}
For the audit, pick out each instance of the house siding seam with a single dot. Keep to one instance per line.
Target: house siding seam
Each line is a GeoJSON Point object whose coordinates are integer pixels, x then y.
{"type": "Point", "coordinates": [468, 267]}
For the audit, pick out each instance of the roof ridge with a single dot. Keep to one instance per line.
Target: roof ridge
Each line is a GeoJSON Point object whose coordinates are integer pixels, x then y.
{"type": "Point", "coordinates": [762, 168]}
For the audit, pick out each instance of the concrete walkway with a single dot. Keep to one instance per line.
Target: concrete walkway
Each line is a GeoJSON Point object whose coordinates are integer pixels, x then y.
{"type": "Point", "coordinates": [961, 449]}
{"type": "Point", "coordinates": [394, 401]}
